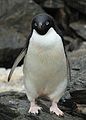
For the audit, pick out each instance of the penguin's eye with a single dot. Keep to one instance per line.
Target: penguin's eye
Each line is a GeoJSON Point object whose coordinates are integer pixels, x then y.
{"type": "Point", "coordinates": [35, 24]}
{"type": "Point", "coordinates": [47, 23]}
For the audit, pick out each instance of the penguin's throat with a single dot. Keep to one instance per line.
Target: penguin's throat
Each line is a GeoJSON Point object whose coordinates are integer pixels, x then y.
{"type": "Point", "coordinates": [47, 41]}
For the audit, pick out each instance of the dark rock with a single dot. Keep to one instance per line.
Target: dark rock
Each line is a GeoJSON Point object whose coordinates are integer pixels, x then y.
{"type": "Point", "coordinates": [11, 43]}
{"type": "Point", "coordinates": [79, 5]}
{"type": "Point", "coordinates": [79, 28]}
{"type": "Point", "coordinates": [21, 15]}
{"type": "Point", "coordinates": [15, 26]}
{"type": "Point", "coordinates": [71, 43]}
{"type": "Point", "coordinates": [15, 106]}
{"type": "Point", "coordinates": [79, 96]}
{"type": "Point", "coordinates": [40, 2]}
{"type": "Point", "coordinates": [78, 79]}
{"type": "Point", "coordinates": [53, 4]}
{"type": "Point", "coordinates": [81, 108]}
{"type": "Point", "coordinates": [78, 70]}
{"type": "Point", "coordinates": [6, 113]}
{"type": "Point", "coordinates": [50, 3]}
{"type": "Point", "coordinates": [7, 5]}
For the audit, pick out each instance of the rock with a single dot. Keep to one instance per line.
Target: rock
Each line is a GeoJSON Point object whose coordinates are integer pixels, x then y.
{"type": "Point", "coordinates": [79, 5]}
{"type": "Point", "coordinates": [81, 108]}
{"type": "Point", "coordinates": [80, 28]}
{"type": "Point", "coordinates": [11, 43]}
{"type": "Point", "coordinates": [78, 69]}
{"type": "Point", "coordinates": [71, 43]}
{"type": "Point", "coordinates": [7, 5]}
{"type": "Point", "coordinates": [6, 113]}
{"type": "Point", "coordinates": [14, 105]}
{"type": "Point", "coordinates": [77, 86]}
{"type": "Point", "coordinates": [21, 15]}
{"type": "Point", "coordinates": [50, 3]}
{"type": "Point", "coordinates": [40, 2]}
{"type": "Point", "coordinates": [15, 26]}
{"type": "Point", "coordinates": [53, 4]}
{"type": "Point", "coordinates": [79, 96]}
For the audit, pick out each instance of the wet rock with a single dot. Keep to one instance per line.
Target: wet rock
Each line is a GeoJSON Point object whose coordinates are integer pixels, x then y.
{"type": "Point", "coordinates": [16, 107]}
{"type": "Point", "coordinates": [80, 28]}
{"type": "Point", "coordinates": [79, 5]}
{"type": "Point", "coordinates": [15, 26]}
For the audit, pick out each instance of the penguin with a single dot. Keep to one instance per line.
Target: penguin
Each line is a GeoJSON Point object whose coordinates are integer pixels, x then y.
{"type": "Point", "coordinates": [45, 63]}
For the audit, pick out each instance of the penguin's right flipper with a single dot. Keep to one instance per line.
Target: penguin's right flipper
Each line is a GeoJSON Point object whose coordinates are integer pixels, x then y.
{"type": "Point", "coordinates": [19, 58]}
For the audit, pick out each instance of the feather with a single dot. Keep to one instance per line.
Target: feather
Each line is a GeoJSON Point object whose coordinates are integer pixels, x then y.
{"type": "Point", "coordinates": [18, 59]}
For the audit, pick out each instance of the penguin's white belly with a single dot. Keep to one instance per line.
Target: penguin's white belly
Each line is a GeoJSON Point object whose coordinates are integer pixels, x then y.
{"type": "Point", "coordinates": [44, 70]}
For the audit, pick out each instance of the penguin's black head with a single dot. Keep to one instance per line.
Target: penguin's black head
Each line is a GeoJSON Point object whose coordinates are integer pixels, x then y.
{"type": "Point", "coordinates": [42, 23]}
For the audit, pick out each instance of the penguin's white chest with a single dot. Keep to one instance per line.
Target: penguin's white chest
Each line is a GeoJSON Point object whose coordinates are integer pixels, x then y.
{"type": "Point", "coordinates": [45, 62]}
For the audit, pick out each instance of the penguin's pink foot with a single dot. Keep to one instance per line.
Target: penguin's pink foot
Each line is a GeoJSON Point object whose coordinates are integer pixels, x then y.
{"type": "Point", "coordinates": [54, 108]}
{"type": "Point", "coordinates": [34, 108]}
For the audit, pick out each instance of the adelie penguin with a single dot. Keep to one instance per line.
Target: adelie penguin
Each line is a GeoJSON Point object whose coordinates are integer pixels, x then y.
{"type": "Point", "coordinates": [45, 63]}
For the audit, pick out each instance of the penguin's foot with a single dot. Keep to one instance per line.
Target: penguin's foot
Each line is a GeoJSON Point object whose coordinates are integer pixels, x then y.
{"type": "Point", "coordinates": [54, 108]}
{"type": "Point", "coordinates": [34, 108]}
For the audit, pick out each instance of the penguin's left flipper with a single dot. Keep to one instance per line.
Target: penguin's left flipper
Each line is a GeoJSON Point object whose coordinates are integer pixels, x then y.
{"type": "Point", "coordinates": [19, 58]}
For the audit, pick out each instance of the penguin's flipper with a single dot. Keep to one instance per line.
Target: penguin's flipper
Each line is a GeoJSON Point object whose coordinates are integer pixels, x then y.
{"type": "Point", "coordinates": [19, 58]}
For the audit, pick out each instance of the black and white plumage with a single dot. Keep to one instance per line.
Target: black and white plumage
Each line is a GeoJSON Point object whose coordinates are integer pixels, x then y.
{"type": "Point", "coordinates": [45, 63]}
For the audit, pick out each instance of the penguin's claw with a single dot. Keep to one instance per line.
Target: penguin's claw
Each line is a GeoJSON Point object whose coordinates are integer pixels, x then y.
{"type": "Point", "coordinates": [54, 108]}
{"type": "Point", "coordinates": [34, 109]}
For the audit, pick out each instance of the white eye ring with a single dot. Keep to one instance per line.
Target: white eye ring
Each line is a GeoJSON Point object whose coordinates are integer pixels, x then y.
{"type": "Point", "coordinates": [47, 23]}
{"type": "Point", "coordinates": [35, 24]}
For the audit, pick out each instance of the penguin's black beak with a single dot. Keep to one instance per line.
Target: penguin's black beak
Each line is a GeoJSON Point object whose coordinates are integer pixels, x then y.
{"type": "Point", "coordinates": [40, 26]}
